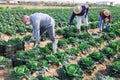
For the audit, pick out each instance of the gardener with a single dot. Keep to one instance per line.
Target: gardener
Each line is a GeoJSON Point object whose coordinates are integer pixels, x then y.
{"type": "Point", "coordinates": [104, 16]}
{"type": "Point", "coordinates": [81, 13]}
{"type": "Point", "coordinates": [41, 23]}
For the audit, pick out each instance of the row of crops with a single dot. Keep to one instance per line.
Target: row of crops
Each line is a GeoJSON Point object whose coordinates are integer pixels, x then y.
{"type": "Point", "coordinates": [10, 20]}
{"type": "Point", "coordinates": [72, 45]}
{"type": "Point", "coordinates": [40, 59]}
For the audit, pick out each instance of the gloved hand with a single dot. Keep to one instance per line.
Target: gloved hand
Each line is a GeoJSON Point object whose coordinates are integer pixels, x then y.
{"type": "Point", "coordinates": [36, 44]}
{"type": "Point", "coordinates": [70, 26]}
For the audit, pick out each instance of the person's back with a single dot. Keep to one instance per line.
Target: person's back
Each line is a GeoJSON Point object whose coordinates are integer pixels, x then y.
{"type": "Point", "coordinates": [43, 19]}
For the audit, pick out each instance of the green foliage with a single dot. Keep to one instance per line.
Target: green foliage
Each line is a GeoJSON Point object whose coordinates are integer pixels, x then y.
{"type": "Point", "coordinates": [87, 64]}
{"type": "Point", "coordinates": [59, 32]}
{"type": "Point", "coordinates": [97, 57]}
{"type": "Point", "coordinates": [84, 37]}
{"type": "Point", "coordinates": [99, 40]}
{"type": "Point", "coordinates": [107, 51]}
{"type": "Point", "coordinates": [114, 46]}
{"type": "Point", "coordinates": [99, 76]}
{"type": "Point", "coordinates": [70, 72]}
{"type": "Point", "coordinates": [60, 56]}
{"type": "Point", "coordinates": [27, 38]}
{"type": "Point", "coordinates": [93, 43]}
{"type": "Point", "coordinates": [72, 40]}
{"type": "Point", "coordinates": [52, 59]}
{"type": "Point", "coordinates": [84, 47]}
{"type": "Point", "coordinates": [117, 32]}
{"type": "Point", "coordinates": [69, 54]}
{"type": "Point", "coordinates": [19, 72]}
{"type": "Point", "coordinates": [49, 45]}
{"type": "Point", "coordinates": [62, 43]}
{"type": "Point", "coordinates": [33, 66]}
{"type": "Point", "coordinates": [114, 69]}
{"type": "Point", "coordinates": [4, 62]}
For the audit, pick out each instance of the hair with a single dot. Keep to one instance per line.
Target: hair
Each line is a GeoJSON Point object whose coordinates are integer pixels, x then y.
{"type": "Point", "coordinates": [23, 16]}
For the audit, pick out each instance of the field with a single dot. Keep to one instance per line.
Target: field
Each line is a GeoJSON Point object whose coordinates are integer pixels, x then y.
{"type": "Point", "coordinates": [80, 56]}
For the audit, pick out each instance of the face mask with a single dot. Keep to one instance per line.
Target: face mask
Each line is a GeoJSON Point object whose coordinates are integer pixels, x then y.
{"type": "Point", "coordinates": [27, 23]}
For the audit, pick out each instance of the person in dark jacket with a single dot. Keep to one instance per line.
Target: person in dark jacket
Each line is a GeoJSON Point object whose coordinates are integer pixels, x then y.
{"type": "Point", "coordinates": [81, 13]}
{"type": "Point", "coordinates": [104, 16]}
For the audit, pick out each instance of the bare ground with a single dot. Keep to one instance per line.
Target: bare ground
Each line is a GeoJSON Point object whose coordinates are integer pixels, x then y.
{"type": "Point", "coordinates": [52, 71]}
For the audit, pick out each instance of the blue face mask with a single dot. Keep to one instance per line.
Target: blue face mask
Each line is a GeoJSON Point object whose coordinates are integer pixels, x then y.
{"type": "Point", "coordinates": [28, 23]}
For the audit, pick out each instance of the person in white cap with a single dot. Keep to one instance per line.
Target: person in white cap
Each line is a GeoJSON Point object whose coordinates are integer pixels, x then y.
{"type": "Point", "coordinates": [81, 13]}
{"type": "Point", "coordinates": [41, 23]}
{"type": "Point", "coordinates": [105, 14]}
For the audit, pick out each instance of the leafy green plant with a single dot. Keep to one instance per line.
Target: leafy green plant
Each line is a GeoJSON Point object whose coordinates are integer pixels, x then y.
{"type": "Point", "coordinates": [45, 50]}
{"type": "Point", "coordinates": [61, 57]}
{"type": "Point", "coordinates": [75, 51]}
{"type": "Point", "coordinates": [72, 40]}
{"type": "Point", "coordinates": [87, 64]}
{"type": "Point", "coordinates": [52, 59]}
{"type": "Point", "coordinates": [84, 37]}
{"type": "Point", "coordinates": [112, 35]}
{"type": "Point", "coordinates": [33, 66]}
{"type": "Point", "coordinates": [9, 32]}
{"type": "Point", "coordinates": [69, 54]}
{"type": "Point", "coordinates": [107, 51]}
{"type": "Point", "coordinates": [99, 40]}
{"type": "Point", "coordinates": [100, 76]}
{"type": "Point", "coordinates": [106, 37]}
{"type": "Point", "coordinates": [114, 46]}
{"type": "Point", "coordinates": [74, 29]}
{"type": "Point", "coordinates": [59, 32]}
{"type": "Point", "coordinates": [84, 47]}
{"type": "Point", "coordinates": [70, 72]}
{"type": "Point", "coordinates": [114, 69]}
{"type": "Point", "coordinates": [49, 45]}
{"type": "Point", "coordinates": [93, 43]}
{"type": "Point", "coordinates": [62, 43]}
{"type": "Point", "coordinates": [19, 72]}
{"type": "Point", "coordinates": [4, 62]}
{"type": "Point", "coordinates": [117, 32]}
{"type": "Point", "coordinates": [27, 38]}
{"type": "Point", "coordinates": [97, 57]}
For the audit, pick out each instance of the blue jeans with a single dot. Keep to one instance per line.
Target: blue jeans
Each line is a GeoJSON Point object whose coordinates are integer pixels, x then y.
{"type": "Point", "coordinates": [101, 23]}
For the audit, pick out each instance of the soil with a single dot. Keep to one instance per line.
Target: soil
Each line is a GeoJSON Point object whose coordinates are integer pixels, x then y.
{"type": "Point", "coordinates": [52, 70]}
{"type": "Point", "coordinates": [3, 73]}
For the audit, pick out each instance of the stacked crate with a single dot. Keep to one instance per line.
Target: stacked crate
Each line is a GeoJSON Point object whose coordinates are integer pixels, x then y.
{"type": "Point", "coordinates": [10, 47]}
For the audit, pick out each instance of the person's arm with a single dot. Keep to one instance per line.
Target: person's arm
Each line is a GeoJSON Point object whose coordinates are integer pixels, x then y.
{"type": "Point", "coordinates": [36, 30]}
{"type": "Point", "coordinates": [72, 18]}
{"type": "Point", "coordinates": [86, 9]}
